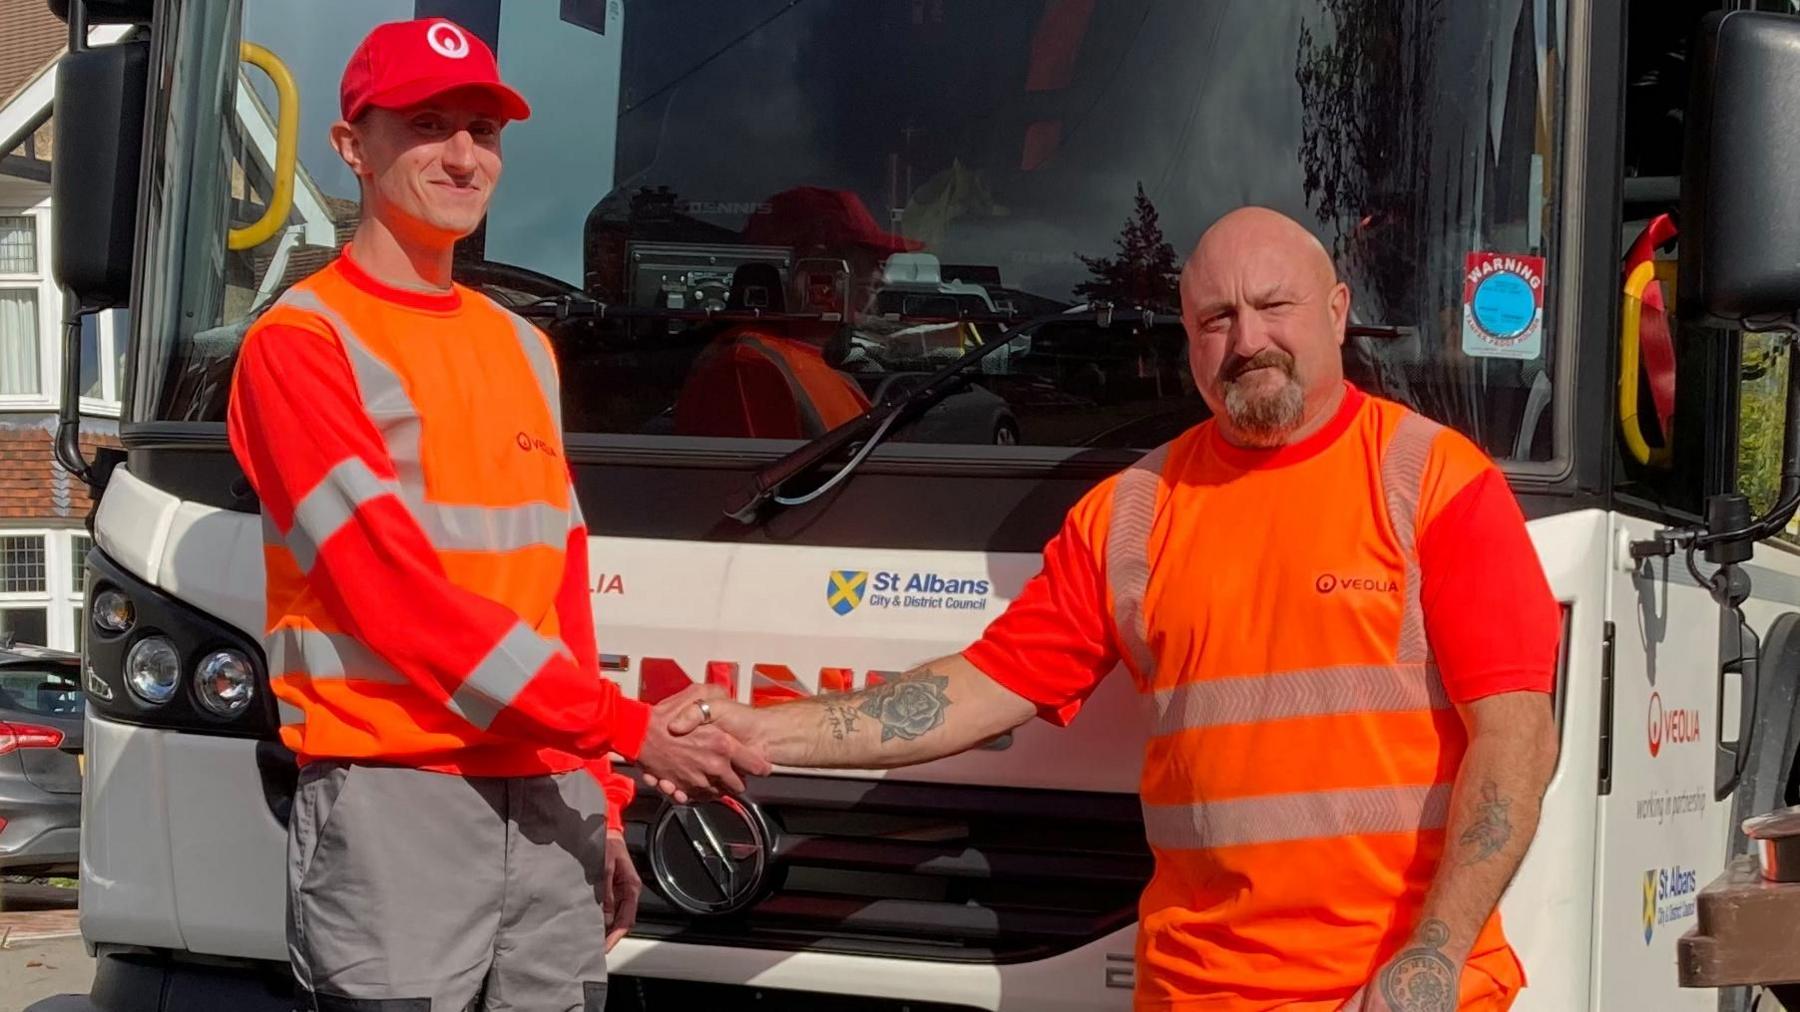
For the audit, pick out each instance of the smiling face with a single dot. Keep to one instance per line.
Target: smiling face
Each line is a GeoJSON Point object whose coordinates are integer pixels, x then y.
{"type": "Point", "coordinates": [427, 171]}
{"type": "Point", "coordinates": [1265, 317]}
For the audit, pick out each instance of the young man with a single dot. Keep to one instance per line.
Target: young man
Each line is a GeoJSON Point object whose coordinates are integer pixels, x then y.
{"type": "Point", "coordinates": [430, 635]}
{"type": "Point", "coordinates": [1346, 644]}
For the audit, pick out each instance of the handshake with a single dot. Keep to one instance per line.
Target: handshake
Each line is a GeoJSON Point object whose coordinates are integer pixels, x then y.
{"type": "Point", "coordinates": [701, 744]}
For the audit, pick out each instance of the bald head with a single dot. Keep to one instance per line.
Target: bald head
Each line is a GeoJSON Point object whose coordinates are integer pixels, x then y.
{"type": "Point", "coordinates": [1258, 232]}
{"type": "Point", "coordinates": [1265, 315]}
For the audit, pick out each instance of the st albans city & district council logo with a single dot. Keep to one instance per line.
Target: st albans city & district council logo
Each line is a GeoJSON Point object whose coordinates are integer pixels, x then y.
{"type": "Point", "coordinates": [849, 589]}
{"type": "Point", "coordinates": [1669, 895]}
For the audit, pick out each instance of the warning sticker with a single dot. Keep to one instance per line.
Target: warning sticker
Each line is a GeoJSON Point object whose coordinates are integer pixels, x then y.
{"type": "Point", "coordinates": [1503, 306]}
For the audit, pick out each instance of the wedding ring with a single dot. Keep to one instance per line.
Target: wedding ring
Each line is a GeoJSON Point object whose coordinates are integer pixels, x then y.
{"type": "Point", "coordinates": [705, 711]}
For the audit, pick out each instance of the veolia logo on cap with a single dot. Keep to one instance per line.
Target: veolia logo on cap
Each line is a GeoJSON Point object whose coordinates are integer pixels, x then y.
{"type": "Point", "coordinates": [447, 40]}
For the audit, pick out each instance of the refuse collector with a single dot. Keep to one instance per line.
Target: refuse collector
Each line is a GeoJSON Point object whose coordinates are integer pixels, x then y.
{"type": "Point", "coordinates": [430, 634]}
{"type": "Point", "coordinates": [1346, 644]}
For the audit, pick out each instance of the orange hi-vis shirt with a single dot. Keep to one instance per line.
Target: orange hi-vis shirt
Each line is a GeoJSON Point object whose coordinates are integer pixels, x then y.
{"type": "Point", "coordinates": [757, 384]}
{"type": "Point", "coordinates": [1301, 622]}
{"type": "Point", "coordinates": [427, 576]}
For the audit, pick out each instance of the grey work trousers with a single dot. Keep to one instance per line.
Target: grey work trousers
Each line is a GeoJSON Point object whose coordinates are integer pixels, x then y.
{"type": "Point", "coordinates": [411, 891]}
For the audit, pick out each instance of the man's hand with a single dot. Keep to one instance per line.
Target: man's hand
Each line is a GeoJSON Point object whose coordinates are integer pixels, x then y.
{"type": "Point", "coordinates": [1423, 977]}
{"type": "Point", "coordinates": [622, 889]}
{"type": "Point", "coordinates": [700, 764]}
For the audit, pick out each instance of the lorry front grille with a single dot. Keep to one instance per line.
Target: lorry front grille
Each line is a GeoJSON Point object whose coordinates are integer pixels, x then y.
{"type": "Point", "coordinates": [929, 871]}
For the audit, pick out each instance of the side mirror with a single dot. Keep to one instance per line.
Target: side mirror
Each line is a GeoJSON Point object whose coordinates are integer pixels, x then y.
{"type": "Point", "coordinates": [97, 153]}
{"type": "Point", "coordinates": [1740, 249]}
{"type": "Point", "coordinates": [101, 12]}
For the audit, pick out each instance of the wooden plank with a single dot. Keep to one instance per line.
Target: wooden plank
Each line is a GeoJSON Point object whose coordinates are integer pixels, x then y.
{"type": "Point", "coordinates": [1748, 931]}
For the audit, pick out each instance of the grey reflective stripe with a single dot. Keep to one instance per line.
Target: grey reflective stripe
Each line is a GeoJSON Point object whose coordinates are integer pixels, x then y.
{"type": "Point", "coordinates": [1317, 692]}
{"type": "Point", "coordinates": [809, 413]}
{"type": "Point", "coordinates": [493, 528]}
{"type": "Point", "coordinates": [322, 655]}
{"type": "Point", "coordinates": [289, 713]}
{"type": "Point", "coordinates": [271, 533]}
{"type": "Point", "coordinates": [1402, 478]}
{"type": "Point", "coordinates": [384, 396]}
{"type": "Point", "coordinates": [542, 365]}
{"type": "Point", "coordinates": [576, 518]}
{"type": "Point", "coordinates": [1128, 554]}
{"type": "Point", "coordinates": [1280, 817]}
{"type": "Point", "coordinates": [326, 509]}
{"type": "Point", "coordinates": [494, 683]}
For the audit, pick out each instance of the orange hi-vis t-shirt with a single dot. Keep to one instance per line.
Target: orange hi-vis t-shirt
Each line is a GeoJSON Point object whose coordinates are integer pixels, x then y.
{"type": "Point", "coordinates": [1301, 622]}
{"type": "Point", "coordinates": [755, 383]}
{"type": "Point", "coordinates": [425, 555]}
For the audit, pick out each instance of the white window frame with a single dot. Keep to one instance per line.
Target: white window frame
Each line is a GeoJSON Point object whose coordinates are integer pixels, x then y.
{"type": "Point", "coordinates": [75, 600]}
{"type": "Point", "coordinates": [56, 626]}
{"type": "Point", "coordinates": [49, 311]}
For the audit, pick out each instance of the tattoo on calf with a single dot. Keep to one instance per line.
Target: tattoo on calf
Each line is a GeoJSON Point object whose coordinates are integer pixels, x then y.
{"type": "Point", "coordinates": [1491, 829]}
{"type": "Point", "coordinates": [1422, 978]}
{"type": "Point", "coordinates": [908, 707]}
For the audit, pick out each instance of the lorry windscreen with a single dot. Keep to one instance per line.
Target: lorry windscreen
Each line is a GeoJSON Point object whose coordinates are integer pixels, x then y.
{"type": "Point", "coordinates": [872, 162]}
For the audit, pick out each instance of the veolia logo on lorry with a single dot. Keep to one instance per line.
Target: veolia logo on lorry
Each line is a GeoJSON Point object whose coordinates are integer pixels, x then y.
{"type": "Point", "coordinates": [1671, 726]}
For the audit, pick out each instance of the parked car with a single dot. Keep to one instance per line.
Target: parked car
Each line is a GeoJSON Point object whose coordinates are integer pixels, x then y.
{"type": "Point", "coordinates": [40, 775]}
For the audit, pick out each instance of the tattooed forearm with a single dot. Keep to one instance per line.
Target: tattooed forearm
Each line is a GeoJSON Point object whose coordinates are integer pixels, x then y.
{"type": "Point", "coordinates": [900, 722]}
{"type": "Point", "coordinates": [1422, 978]}
{"type": "Point", "coordinates": [909, 707]}
{"type": "Point", "coordinates": [1490, 829]}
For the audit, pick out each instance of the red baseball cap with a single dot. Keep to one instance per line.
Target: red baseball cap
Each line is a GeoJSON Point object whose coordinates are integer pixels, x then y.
{"type": "Point", "coordinates": [816, 216]}
{"type": "Point", "coordinates": [402, 63]}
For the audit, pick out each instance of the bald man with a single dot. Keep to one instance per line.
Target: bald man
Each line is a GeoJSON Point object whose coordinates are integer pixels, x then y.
{"type": "Point", "coordinates": [1346, 646]}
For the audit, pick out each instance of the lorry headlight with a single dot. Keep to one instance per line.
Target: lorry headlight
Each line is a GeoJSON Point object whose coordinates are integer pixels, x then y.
{"type": "Point", "coordinates": [226, 682]}
{"type": "Point", "coordinates": [113, 612]}
{"type": "Point", "coordinates": [153, 669]}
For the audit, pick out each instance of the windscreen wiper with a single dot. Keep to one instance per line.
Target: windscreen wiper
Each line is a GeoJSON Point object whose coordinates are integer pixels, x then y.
{"type": "Point", "coordinates": [581, 307]}
{"type": "Point", "coordinates": [765, 486]}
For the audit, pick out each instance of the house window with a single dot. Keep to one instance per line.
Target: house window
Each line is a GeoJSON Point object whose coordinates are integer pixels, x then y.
{"type": "Point", "coordinates": [20, 371]}
{"type": "Point", "coordinates": [42, 583]}
{"type": "Point", "coordinates": [79, 545]}
{"type": "Point", "coordinates": [18, 244]}
{"type": "Point", "coordinates": [24, 589]}
{"type": "Point", "coordinates": [22, 564]}
{"type": "Point", "coordinates": [22, 297]}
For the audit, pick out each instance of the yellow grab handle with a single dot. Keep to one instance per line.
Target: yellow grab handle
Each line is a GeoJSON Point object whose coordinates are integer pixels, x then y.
{"type": "Point", "coordinates": [1632, 317]}
{"type": "Point", "coordinates": [287, 143]}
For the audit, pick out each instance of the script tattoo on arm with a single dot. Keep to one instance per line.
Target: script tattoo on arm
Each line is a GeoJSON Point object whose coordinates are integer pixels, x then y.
{"type": "Point", "coordinates": [841, 720]}
{"type": "Point", "coordinates": [906, 708]}
{"type": "Point", "coordinates": [1491, 829]}
{"type": "Point", "coordinates": [1422, 978]}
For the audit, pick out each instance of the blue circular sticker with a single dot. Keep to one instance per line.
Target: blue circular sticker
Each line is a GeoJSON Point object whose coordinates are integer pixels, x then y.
{"type": "Point", "coordinates": [1504, 305]}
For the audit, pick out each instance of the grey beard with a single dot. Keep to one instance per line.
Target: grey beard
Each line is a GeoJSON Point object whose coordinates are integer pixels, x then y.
{"type": "Point", "coordinates": [1268, 419]}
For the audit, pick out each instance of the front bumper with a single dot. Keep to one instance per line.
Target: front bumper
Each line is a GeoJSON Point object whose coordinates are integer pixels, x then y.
{"type": "Point", "coordinates": [43, 830]}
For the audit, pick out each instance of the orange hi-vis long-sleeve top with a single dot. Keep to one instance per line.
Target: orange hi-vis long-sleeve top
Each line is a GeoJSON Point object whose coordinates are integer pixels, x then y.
{"type": "Point", "coordinates": [427, 574]}
{"type": "Point", "coordinates": [1301, 622]}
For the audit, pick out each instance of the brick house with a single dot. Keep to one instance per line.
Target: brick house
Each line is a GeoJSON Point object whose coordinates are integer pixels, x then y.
{"type": "Point", "coordinates": [42, 506]}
